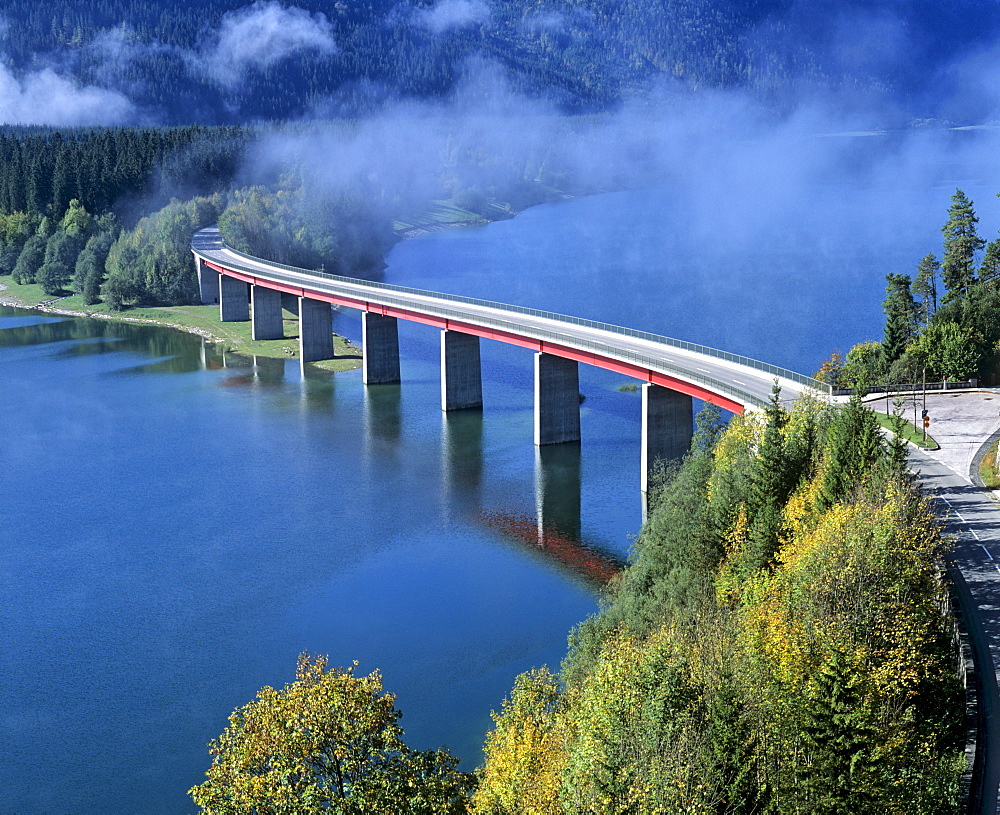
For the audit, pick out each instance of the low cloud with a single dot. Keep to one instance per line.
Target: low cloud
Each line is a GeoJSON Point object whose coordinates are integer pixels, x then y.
{"type": "Point", "coordinates": [446, 15]}
{"type": "Point", "coordinates": [45, 97]}
{"type": "Point", "coordinates": [262, 35]}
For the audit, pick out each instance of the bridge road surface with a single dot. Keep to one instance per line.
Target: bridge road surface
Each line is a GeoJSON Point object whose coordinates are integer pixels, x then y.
{"type": "Point", "coordinates": [974, 520]}
{"type": "Point", "coordinates": [740, 386]}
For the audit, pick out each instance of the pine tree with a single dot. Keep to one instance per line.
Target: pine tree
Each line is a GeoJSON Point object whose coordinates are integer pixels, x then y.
{"type": "Point", "coordinates": [961, 243]}
{"type": "Point", "coordinates": [925, 286]}
{"type": "Point", "coordinates": [770, 486]}
{"type": "Point", "coordinates": [901, 316]}
{"type": "Point", "coordinates": [853, 445]}
{"type": "Point", "coordinates": [989, 270]}
{"type": "Point", "coordinates": [837, 742]}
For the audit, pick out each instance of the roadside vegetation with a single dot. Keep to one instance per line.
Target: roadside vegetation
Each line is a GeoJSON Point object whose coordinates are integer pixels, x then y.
{"type": "Point", "coordinates": [941, 324]}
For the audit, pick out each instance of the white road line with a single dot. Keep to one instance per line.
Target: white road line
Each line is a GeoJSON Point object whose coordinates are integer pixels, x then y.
{"type": "Point", "coordinates": [744, 384]}
{"type": "Point", "coordinates": [959, 514]}
{"type": "Point", "coordinates": [945, 500]}
{"type": "Point", "coordinates": [973, 531]}
{"type": "Point", "coordinates": [987, 551]}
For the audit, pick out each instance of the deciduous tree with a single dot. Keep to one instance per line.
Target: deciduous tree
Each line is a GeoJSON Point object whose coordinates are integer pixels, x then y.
{"type": "Point", "coordinates": [328, 742]}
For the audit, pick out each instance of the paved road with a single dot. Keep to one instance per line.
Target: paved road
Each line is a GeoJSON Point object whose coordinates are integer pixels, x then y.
{"type": "Point", "coordinates": [974, 519]}
{"type": "Point", "coordinates": [733, 379]}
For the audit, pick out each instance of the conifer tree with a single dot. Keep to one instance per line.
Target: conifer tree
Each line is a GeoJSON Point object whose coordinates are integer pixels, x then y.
{"type": "Point", "coordinates": [770, 487]}
{"type": "Point", "coordinates": [837, 740]}
{"type": "Point", "coordinates": [853, 445]}
{"type": "Point", "coordinates": [901, 316]}
{"type": "Point", "coordinates": [961, 243]}
{"type": "Point", "coordinates": [925, 286]}
{"type": "Point", "coordinates": [989, 270]}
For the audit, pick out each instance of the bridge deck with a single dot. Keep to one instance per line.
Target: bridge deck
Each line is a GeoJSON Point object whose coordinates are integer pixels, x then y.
{"type": "Point", "coordinates": [729, 380]}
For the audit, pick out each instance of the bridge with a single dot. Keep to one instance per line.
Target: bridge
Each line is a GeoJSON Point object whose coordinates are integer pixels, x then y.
{"type": "Point", "coordinates": [673, 372]}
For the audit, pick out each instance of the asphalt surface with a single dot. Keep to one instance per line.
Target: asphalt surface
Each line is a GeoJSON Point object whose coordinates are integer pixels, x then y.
{"type": "Point", "coordinates": [961, 423]}
{"type": "Point", "coordinates": [973, 519]}
{"type": "Point", "coordinates": [742, 383]}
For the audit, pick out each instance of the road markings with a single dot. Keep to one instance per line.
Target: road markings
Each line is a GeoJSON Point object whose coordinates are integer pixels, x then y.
{"type": "Point", "coordinates": [959, 514]}
{"type": "Point", "coordinates": [987, 551]}
{"type": "Point", "coordinates": [744, 384]}
{"type": "Point", "coordinates": [973, 531]}
{"type": "Point", "coordinates": [945, 500]}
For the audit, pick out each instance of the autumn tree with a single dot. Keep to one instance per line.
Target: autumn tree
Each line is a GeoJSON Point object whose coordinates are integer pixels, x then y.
{"type": "Point", "coordinates": [328, 742]}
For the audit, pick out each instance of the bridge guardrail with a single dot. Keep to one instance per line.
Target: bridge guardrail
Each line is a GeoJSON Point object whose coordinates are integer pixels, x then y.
{"type": "Point", "coordinates": [385, 295]}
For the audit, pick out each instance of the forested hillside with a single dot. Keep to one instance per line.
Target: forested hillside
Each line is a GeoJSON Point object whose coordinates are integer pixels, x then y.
{"type": "Point", "coordinates": [778, 644]}
{"type": "Point", "coordinates": [226, 60]}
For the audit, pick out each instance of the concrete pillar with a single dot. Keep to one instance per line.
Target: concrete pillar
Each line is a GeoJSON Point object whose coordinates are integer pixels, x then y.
{"type": "Point", "coordinates": [266, 314]}
{"type": "Point", "coordinates": [461, 373]}
{"type": "Point", "coordinates": [234, 300]}
{"type": "Point", "coordinates": [667, 427]}
{"type": "Point", "coordinates": [208, 282]}
{"type": "Point", "coordinates": [557, 399]}
{"type": "Point", "coordinates": [315, 330]}
{"type": "Point", "coordinates": [380, 349]}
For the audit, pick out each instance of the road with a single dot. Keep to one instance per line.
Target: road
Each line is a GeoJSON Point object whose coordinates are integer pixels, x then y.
{"type": "Point", "coordinates": [973, 519]}
{"type": "Point", "coordinates": [742, 382]}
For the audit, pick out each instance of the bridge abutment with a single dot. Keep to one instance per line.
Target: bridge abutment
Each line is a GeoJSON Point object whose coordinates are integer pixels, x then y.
{"type": "Point", "coordinates": [557, 399]}
{"type": "Point", "coordinates": [379, 349]}
{"type": "Point", "coordinates": [315, 330]}
{"type": "Point", "coordinates": [667, 427]}
{"type": "Point", "coordinates": [234, 300]}
{"type": "Point", "coordinates": [461, 371]}
{"type": "Point", "coordinates": [208, 282]}
{"type": "Point", "coordinates": [266, 322]}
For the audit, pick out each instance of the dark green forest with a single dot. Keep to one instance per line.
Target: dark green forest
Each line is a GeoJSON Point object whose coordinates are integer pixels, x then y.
{"type": "Point", "coordinates": [584, 55]}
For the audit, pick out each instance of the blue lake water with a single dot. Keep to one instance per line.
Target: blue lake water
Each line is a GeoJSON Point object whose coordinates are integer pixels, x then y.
{"type": "Point", "coordinates": [178, 524]}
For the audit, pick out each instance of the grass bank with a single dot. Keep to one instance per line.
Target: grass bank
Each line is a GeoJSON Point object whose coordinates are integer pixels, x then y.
{"type": "Point", "coordinates": [911, 432]}
{"type": "Point", "coordinates": [988, 468]}
{"type": "Point", "coordinates": [201, 320]}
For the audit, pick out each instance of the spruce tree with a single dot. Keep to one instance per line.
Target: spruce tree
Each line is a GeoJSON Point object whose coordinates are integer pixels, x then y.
{"type": "Point", "coordinates": [837, 741]}
{"type": "Point", "coordinates": [925, 286]}
{"type": "Point", "coordinates": [901, 316]}
{"type": "Point", "coordinates": [961, 243]}
{"type": "Point", "coordinates": [770, 485]}
{"type": "Point", "coordinates": [989, 270]}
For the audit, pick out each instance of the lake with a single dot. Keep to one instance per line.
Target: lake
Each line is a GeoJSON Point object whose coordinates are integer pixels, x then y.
{"type": "Point", "coordinates": [178, 523]}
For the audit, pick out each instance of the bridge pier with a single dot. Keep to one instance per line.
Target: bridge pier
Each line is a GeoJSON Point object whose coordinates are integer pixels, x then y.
{"type": "Point", "coordinates": [234, 300]}
{"type": "Point", "coordinates": [315, 330]}
{"type": "Point", "coordinates": [266, 322]}
{"type": "Point", "coordinates": [379, 349]}
{"type": "Point", "coordinates": [208, 282]}
{"type": "Point", "coordinates": [461, 372]}
{"type": "Point", "coordinates": [667, 427]}
{"type": "Point", "coordinates": [557, 399]}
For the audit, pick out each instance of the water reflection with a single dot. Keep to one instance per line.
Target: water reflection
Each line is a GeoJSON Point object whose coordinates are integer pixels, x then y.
{"type": "Point", "coordinates": [557, 490]}
{"type": "Point", "coordinates": [382, 411]}
{"type": "Point", "coordinates": [462, 457]}
{"type": "Point", "coordinates": [556, 530]}
{"type": "Point", "coordinates": [555, 534]}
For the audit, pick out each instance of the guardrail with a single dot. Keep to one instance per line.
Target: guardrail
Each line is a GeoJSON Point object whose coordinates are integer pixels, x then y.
{"type": "Point", "coordinates": [385, 293]}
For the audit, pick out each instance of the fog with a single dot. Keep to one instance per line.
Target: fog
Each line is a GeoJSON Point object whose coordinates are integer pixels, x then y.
{"type": "Point", "coordinates": [744, 164]}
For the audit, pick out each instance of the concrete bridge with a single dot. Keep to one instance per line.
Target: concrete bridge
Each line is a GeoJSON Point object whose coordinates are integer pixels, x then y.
{"type": "Point", "coordinates": [672, 371]}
